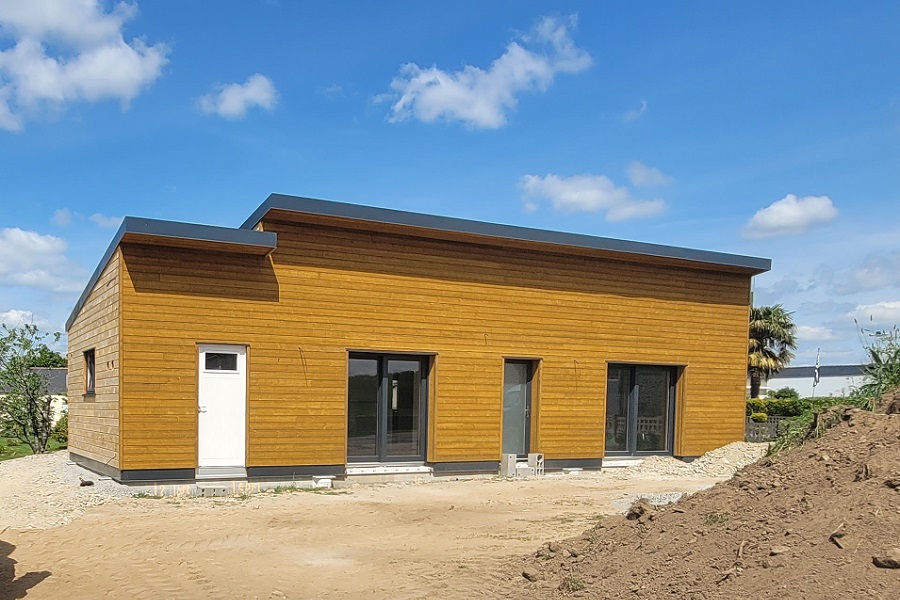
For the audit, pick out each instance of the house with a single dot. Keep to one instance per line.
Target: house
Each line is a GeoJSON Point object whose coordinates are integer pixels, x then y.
{"type": "Point", "coordinates": [834, 380]}
{"type": "Point", "coordinates": [322, 338]}
{"type": "Point", "coordinates": [56, 389]}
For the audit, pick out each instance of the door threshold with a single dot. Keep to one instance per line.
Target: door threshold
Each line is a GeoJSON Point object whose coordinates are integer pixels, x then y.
{"type": "Point", "coordinates": [388, 469]}
{"type": "Point", "coordinates": [622, 461]}
{"type": "Point", "coordinates": [221, 473]}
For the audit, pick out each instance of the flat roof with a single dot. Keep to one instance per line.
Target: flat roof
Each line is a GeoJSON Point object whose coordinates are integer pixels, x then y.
{"type": "Point", "coordinates": [246, 239]}
{"type": "Point", "coordinates": [175, 233]}
{"type": "Point", "coordinates": [357, 212]}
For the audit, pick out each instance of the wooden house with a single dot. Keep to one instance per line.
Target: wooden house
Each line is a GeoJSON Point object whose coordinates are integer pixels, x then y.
{"type": "Point", "coordinates": [322, 338]}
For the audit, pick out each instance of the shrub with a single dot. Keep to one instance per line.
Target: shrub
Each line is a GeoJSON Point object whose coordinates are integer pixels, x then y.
{"type": "Point", "coordinates": [60, 431]}
{"type": "Point", "coordinates": [759, 417]}
{"type": "Point", "coordinates": [755, 405]}
{"type": "Point", "coordinates": [775, 407]}
{"type": "Point", "coordinates": [882, 374]}
{"type": "Point", "coordinates": [785, 393]}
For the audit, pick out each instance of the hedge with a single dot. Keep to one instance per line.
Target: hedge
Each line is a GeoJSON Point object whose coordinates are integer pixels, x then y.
{"type": "Point", "coordinates": [775, 407]}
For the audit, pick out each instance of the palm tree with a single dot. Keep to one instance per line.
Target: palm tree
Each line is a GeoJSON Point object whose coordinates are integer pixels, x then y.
{"type": "Point", "coordinates": [772, 341]}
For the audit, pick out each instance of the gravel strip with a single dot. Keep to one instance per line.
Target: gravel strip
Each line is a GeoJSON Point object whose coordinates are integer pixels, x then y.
{"type": "Point", "coordinates": [722, 462]}
{"type": "Point", "coordinates": [43, 491]}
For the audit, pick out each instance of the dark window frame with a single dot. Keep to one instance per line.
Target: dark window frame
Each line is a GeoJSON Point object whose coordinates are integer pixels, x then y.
{"type": "Point", "coordinates": [382, 403]}
{"type": "Point", "coordinates": [675, 373]}
{"type": "Point", "coordinates": [529, 381]}
{"type": "Point", "coordinates": [90, 372]}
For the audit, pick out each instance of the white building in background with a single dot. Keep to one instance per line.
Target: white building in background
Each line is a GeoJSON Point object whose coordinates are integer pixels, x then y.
{"type": "Point", "coordinates": [56, 386]}
{"type": "Point", "coordinates": [834, 380]}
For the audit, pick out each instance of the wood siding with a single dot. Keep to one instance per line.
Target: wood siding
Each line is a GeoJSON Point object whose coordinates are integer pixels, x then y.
{"type": "Point", "coordinates": [325, 291]}
{"type": "Point", "coordinates": [94, 419]}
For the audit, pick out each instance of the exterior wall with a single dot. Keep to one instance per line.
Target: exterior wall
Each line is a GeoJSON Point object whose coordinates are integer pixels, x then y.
{"type": "Point", "coordinates": [325, 291]}
{"type": "Point", "coordinates": [94, 418]}
{"type": "Point", "coordinates": [827, 386]}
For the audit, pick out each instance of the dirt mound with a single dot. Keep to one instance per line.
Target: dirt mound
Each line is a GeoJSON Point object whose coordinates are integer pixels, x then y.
{"type": "Point", "coordinates": [891, 402]}
{"type": "Point", "coordinates": [812, 522]}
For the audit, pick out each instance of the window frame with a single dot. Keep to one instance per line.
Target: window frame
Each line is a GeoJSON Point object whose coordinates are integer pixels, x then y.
{"type": "Point", "coordinates": [90, 372]}
{"type": "Point", "coordinates": [383, 403]}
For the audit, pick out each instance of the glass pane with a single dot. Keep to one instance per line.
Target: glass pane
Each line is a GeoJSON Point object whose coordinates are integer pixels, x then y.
{"type": "Point", "coordinates": [404, 381]}
{"type": "Point", "coordinates": [515, 404]}
{"type": "Point", "coordinates": [652, 409]}
{"type": "Point", "coordinates": [362, 408]}
{"type": "Point", "coordinates": [618, 388]}
{"type": "Point", "coordinates": [221, 361]}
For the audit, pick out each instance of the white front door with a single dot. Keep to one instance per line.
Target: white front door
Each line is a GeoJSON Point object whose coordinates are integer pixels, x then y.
{"type": "Point", "coordinates": [222, 406]}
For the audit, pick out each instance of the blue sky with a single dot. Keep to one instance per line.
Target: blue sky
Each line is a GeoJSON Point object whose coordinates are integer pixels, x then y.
{"type": "Point", "coordinates": [770, 129]}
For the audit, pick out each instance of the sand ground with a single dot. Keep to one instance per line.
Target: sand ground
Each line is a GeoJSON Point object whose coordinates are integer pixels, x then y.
{"type": "Point", "coordinates": [424, 540]}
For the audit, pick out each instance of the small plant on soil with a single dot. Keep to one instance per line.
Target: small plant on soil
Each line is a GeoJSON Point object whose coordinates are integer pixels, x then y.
{"type": "Point", "coordinates": [146, 495]}
{"type": "Point", "coordinates": [716, 518]}
{"type": "Point", "coordinates": [572, 583]}
{"type": "Point", "coordinates": [284, 489]}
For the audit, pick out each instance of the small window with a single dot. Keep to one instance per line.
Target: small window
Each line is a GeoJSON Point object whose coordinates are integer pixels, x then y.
{"type": "Point", "coordinates": [221, 361]}
{"type": "Point", "coordinates": [89, 371]}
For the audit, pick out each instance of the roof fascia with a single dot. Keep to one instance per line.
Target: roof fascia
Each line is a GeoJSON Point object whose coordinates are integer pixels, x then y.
{"type": "Point", "coordinates": [751, 264]}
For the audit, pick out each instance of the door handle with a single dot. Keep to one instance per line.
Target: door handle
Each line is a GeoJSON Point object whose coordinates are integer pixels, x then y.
{"type": "Point", "coordinates": [201, 409]}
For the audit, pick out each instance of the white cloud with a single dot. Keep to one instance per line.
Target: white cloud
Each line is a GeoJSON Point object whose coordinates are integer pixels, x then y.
{"type": "Point", "coordinates": [641, 175]}
{"type": "Point", "coordinates": [634, 114]}
{"type": "Point", "coordinates": [589, 193]}
{"type": "Point", "coordinates": [332, 91]}
{"type": "Point", "coordinates": [812, 333]}
{"type": "Point", "coordinates": [30, 259]}
{"type": "Point", "coordinates": [67, 51]}
{"type": "Point", "coordinates": [62, 217]}
{"type": "Point", "coordinates": [880, 315]}
{"type": "Point", "coordinates": [790, 215]}
{"type": "Point", "coordinates": [18, 318]}
{"type": "Point", "coordinates": [104, 221]}
{"type": "Point", "coordinates": [878, 270]}
{"type": "Point", "coordinates": [480, 97]}
{"type": "Point", "coordinates": [232, 101]}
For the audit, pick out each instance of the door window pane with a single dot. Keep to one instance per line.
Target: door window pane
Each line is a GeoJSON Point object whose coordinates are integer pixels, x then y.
{"type": "Point", "coordinates": [618, 391]}
{"type": "Point", "coordinates": [652, 409]}
{"type": "Point", "coordinates": [221, 361]}
{"type": "Point", "coordinates": [639, 408]}
{"type": "Point", "coordinates": [404, 381]}
{"type": "Point", "coordinates": [516, 383]}
{"type": "Point", "coordinates": [362, 408]}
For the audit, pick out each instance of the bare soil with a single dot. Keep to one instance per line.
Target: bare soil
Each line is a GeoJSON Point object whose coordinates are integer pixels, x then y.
{"type": "Point", "coordinates": [445, 539]}
{"type": "Point", "coordinates": [819, 521]}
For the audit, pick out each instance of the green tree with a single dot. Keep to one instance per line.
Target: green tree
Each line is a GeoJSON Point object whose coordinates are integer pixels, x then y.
{"type": "Point", "coordinates": [785, 393]}
{"type": "Point", "coordinates": [25, 412]}
{"type": "Point", "coordinates": [772, 342]}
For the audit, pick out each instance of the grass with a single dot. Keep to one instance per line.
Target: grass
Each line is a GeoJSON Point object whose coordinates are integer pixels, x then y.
{"type": "Point", "coordinates": [716, 518]}
{"type": "Point", "coordinates": [572, 583]}
{"type": "Point", "coordinates": [11, 448]}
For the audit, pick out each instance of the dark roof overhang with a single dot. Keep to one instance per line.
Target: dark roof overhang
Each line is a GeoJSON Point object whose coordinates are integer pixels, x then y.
{"type": "Point", "coordinates": [175, 234]}
{"type": "Point", "coordinates": [293, 208]}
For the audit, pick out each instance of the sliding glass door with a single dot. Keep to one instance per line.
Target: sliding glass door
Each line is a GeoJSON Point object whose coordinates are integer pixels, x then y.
{"type": "Point", "coordinates": [386, 407]}
{"type": "Point", "coordinates": [640, 408]}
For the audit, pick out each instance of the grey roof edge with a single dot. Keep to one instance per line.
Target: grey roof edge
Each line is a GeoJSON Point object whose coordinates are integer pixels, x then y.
{"type": "Point", "coordinates": [824, 371]}
{"type": "Point", "coordinates": [173, 230]}
{"type": "Point", "coordinates": [512, 232]}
